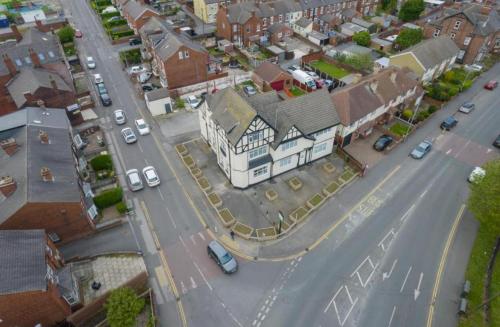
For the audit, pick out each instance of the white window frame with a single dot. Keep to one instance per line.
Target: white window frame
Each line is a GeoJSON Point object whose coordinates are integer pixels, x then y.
{"type": "Point", "coordinates": [285, 162]}
{"type": "Point", "coordinates": [186, 54]}
{"type": "Point", "coordinates": [453, 35]}
{"type": "Point", "coordinates": [319, 148]}
{"type": "Point", "coordinates": [257, 152]}
{"type": "Point", "coordinates": [181, 55]}
{"type": "Point", "coordinates": [289, 145]}
{"type": "Point", "coordinates": [436, 32]}
{"type": "Point", "coordinates": [260, 171]}
{"type": "Point", "coordinates": [255, 136]}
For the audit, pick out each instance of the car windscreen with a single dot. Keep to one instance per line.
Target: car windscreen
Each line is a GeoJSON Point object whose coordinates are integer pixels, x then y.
{"type": "Point", "coordinates": [225, 258]}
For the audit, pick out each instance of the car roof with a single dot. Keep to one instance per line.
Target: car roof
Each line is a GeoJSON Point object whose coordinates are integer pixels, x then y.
{"type": "Point", "coordinates": [218, 249]}
{"type": "Point", "coordinates": [140, 121]}
{"type": "Point", "coordinates": [131, 171]}
{"type": "Point", "coordinates": [450, 119]}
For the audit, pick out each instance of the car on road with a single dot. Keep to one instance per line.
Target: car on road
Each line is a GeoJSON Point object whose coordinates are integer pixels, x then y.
{"type": "Point", "coordinates": [101, 89]}
{"type": "Point", "coordinates": [151, 176]}
{"type": "Point", "coordinates": [129, 135]}
{"type": "Point", "coordinates": [105, 99]}
{"type": "Point", "coordinates": [134, 181]}
{"type": "Point", "coordinates": [449, 123]}
{"type": "Point", "coordinates": [78, 33]}
{"type": "Point", "coordinates": [119, 116]}
{"type": "Point", "coordinates": [292, 68]}
{"type": "Point", "coordinates": [382, 142]}
{"type": "Point", "coordinates": [421, 150]}
{"type": "Point", "coordinates": [193, 101]}
{"type": "Point", "coordinates": [135, 41]}
{"type": "Point", "coordinates": [249, 90]}
{"type": "Point", "coordinates": [90, 62]}
{"type": "Point", "coordinates": [496, 143]}
{"type": "Point", "coordinates": [98, 78]}
{"type": "Point", "coordinates": [222, 257]}
{"type": "Point", "coordinates": [491, 85]}
{"type": "Point", "coordinates": [144, 77]}
{"type": "Point", "coordinates": [476, 175]}
{"type": "Point", "coordinates": [467, 107]}
{"type": "Point", "coordinates": [142, 127]}
{"type": "Point", "coordinates": [136, 70]}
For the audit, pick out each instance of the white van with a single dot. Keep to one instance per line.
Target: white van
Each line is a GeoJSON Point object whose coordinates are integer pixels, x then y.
{"type": "Point", "coordinates": [134, 180]}
{"type": "Point", "coordinates": [304, 78]}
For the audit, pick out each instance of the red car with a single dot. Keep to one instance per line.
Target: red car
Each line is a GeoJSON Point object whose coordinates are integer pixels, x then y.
{"type": "Point", "coordinates": [78, 33]}
{"type": "Point", "coordinates": [491, 85]}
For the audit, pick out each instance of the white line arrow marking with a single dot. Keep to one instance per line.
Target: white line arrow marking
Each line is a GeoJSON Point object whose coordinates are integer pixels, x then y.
{"type": "Point", "coordinates": [417, 290]}
{"type": "Point", "coordinates": [387, 275]}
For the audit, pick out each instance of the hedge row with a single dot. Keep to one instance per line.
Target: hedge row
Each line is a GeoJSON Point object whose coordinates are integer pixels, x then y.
{"type": "Point", "coordinates": [118, 35]}
{"type": "Point", "coordinates": [102, 162]}
{"type": "Point", "coordinates": [114, 23]}
{"type": "Point", "coordinates": [108, 198]}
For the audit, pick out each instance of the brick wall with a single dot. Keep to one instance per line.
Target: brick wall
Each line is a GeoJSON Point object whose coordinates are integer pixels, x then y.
{"type": "Point", "coordinates": [140, 21]}
{"type": "Point", "coordinates": [223, 25]}
{"type": "Point", "coordinates": [182, 72]}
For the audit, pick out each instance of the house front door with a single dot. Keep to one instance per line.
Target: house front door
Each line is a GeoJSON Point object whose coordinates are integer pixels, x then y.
{"type": "Point", "coordinates": [302, 158]}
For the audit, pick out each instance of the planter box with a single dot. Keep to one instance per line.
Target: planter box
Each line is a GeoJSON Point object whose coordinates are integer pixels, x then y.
{"type": "Point", "coordinates": [266, 234]}
{"type": "Point", "coordinates": [295, 183]}
{"type": "Point", "coordinates": [226, 217]}
{"type": "Point", "coordinates": [331, 189]}
{"type": "Point", "coordinates": [196, 172]}
{"type": "Point", "coordinates": [204, 184]}
{"type": "Point", "coordinates": [299, 214]}
{"type": "Point", "coordinates": [214, 200]}
{"type": "Point", "coordinates": [181, 149]}
{"type": "Point", "coordinates": [315, 201]}
{"type": "Point", "coordinates": [347, 175]}
{"type": "Point", "coordinates": [242, 230]}
{"type": "Point", "coordinates": [329, 167]}
{"type": "Point", "coordinates": [271, 195]}
{"type": "Point", "coordinates": [189, 162]}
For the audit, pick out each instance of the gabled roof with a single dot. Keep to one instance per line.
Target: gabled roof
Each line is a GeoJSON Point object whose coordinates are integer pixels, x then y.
{"type": "Point", "coordinates": [484, 23]}
{"type": "Point", "coordinates": [276, 27]}
{"type": "Point", "coordinates": [30, 80]}
{"type": "Point", "coordinates": [303, 22]}
{"type": "Point", "coordinates": [434, 51]}
{"type": "Point", "coordinates": [135, 9]}
{"type": "Point", "coordinates": [241, 12]}
{"type": "Point", "coordinates": [23, 267]}
{"type": "Point", "coordinates": [269, 72]}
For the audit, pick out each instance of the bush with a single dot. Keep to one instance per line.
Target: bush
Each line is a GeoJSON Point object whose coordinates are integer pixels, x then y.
{"type": "Point", "coordinates": [362, 38]}
{"type": "Point", "coordinates": [109, 15]}
{"type": "Point", "coordinates": [179, 103]}
{"type": "Point", "coordinates": [422, 115]}
{"type": "Point", "coordinates": [122, 307]}
{"type": "Point", "coordinates": [120, 34]}
{"type": "Point", "coordinates": [66, 34]}
{"type": "Point", "coordinates": [102, 3]}
{"type": "Point", "coordinates": [408, 37]}
{"type": "Point", "coordinates": [102, 162]}
{"type": "Point", "coordinates": [432, 109]}
{"type": "Point", "coordinates": [407, 114]}
{"type": "Point", "coordinates": [114, 23]}
{"type": "Point", "coordinates": [108, 198]}
{"type": "Point", "coordinates": [131, 57]}
{"type": "Point", "coordinates": [411, 10]}
{"type": "Point", "coordinates": [121, 207]}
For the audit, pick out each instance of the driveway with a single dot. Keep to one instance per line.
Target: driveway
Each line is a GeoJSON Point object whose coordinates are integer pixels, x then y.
{"type": "Point", "coordinates": [362, 150]}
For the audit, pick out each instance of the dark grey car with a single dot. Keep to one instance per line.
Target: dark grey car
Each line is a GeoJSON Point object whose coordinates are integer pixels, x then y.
{"type": "Point", "coordinates": [106, 100]}
{"type": "Point", "coordinates": [222, 257]}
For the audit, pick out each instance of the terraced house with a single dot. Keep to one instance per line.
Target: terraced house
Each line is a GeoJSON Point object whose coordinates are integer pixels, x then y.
{"type": "Point", "coordinates": [258, 137]}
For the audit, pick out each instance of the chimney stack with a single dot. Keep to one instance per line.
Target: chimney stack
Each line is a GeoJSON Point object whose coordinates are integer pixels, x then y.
{"type": "Point", "coordinates": [40, 103]}
{"type": "Point", "coordinates": [34, 58]}
{"type": "Point", "coordinates": [393, 77]}
{"type": "Point", "coordinates": [7, 186]}
{"type": "Point", "coordinates": [53, 82]}
{"type": "Point", "coordinates": [9, 146]}
{"type": "Point", "coordinates": [16, 32]}
{"type": "Point", "coordinates": [10, 65]}
{"type": "Point", "coordinates": [46, 174]}
{"type": "Point", "coordinates": [29, 97]}
{"type": "Point", "coordinates": [373, 86]}
{"type": "Point", "coordinates": [44, 137]}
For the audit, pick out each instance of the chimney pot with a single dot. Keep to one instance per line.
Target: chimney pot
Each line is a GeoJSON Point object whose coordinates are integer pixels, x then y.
{"type": "Point", "coordinates": [53, 82]}
{"type": "Point", "coordinates": [40, 103]}
{"type": "Point", "coordinates": [16, 32]}
{"type": "Point", "coordinates": [7, 185]}
{"type": "Point", "coordinates": [34, 58]}
{"type": "Point", "coordinates": [44, 137]}
{"type": "Point", "coordinates": [46, 174]}
{"type": "Point", "coordinates": [9, 146]}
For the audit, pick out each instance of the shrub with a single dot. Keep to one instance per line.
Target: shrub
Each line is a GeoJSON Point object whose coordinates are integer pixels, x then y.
{"type": "Point", "coordinates": [131, 57]}
{"type": "Point", "coordinates": [102, 162]}
{"type": "Point", "coordinates": [453, 90]}
{"type": "Point", "coordinates": [120, 34]}
{"type": "Point", "coordinates": [411, 10]}
{"type": "Point", "coordinates": [121, 207]}
{"type": "Point", "coordinates": [122, 307]}
{"type": "Point", "coordinates": [114, 23]}
{"type": "Point", "coordinates": [467, 84]}
{"type": "Point", "coordinates": [179, 103]}
{"type": "Point", "coordinates": [66, 34]}
{"type": "Point", "coordinates": [101, 3]}
{"type": "Point", "coordinates": [408, 37]}
{"type": "Point", "coordinates": [432, 109]}
{"type": "Point", "coordinates": [407, 114]}
{"type": "Point", "coordinates": [108, 198]}
{"type": "Point", "coordinates": [422, 115]}
{"type": "Point", "coordinates": [362, 38]}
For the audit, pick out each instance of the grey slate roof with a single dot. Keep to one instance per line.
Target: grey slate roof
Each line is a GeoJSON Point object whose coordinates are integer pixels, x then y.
{"type": "Point", "coordinates": [483, 24]}
{"type": "Point", "coordinates": [23, 265]}
{"type": "Point", "coordinates": [303, 22]}
{"type": "Point", "coordinates": [157, 94]}
{"type": "Point", "coordinates": [434, 51]}
{"type": "Point", "coordinates": [241, 12]}
{"type": "Point", "coordinates": [276, 27]}
{"type": "Point", "coordinates": [24, 165]}
{"type": "Point", "coordinates": [135, 9]}
{"type": "Point", "coordinates": [30, 80]}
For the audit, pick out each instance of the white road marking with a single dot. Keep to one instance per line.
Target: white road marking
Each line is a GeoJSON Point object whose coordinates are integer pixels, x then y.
{"type": "Point", "coordinates": [161, 194]}
{"type": "Point", "coordinates": [392, 316]}
{"type": "Point", "coordinates": [183, 288]}
{"type": "Point", "coordinates": [299, 259]}
{"type": "Point", "coordinates": [408, 211]}
{"type": "Point", "coordinates": [448, 152]}
{"type": "Point", "coordinates": [381, 243]}
{"type": "Point", "coordinates": [192, 239]}
{"type": "Point", "coordinates": [488, 150]}
{"type": "Point", "coordinates": [254, 322]}
{"type": "Point", "coordinates": [267, 301]}
{"type": "Point", "coordinates": [404, 282]}
{"type": "Point", "coordinates": [193, 283]}
{"type": "Point", "coordinates": [140, 147]}
{"type": "Point", "coordinates": [182, 241]}
{"type": "Point", "coordinates": [333, 299]}
{"type": "Point", "coordinates": [373, 267]}
{"type": "Point", "coordinates": [146, 161]}
{"type": "Point", "coordinates": [203, 276]}
{"type": "Point", "coordinates": [388, 275]}
{"type": "Point", "coordinates": [223, 305]}
{"type": "Point", "coordinates": [417, 290]}
{"type": "Point", "coordinates": [201, 235]}
{"type": "Point", "coordinates": [423, 194]}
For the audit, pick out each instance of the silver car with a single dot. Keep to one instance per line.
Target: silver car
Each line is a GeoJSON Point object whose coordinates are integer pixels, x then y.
{"type": "Point", "coordinates": [222, 257]}
{"type": "Point", "coordinates": [421, 150]}
{"type": "Point", "coordinates": [134, 181]}
{"type": "Point", "coordinates": [120, 117]}
{"type": "Point", "coordinates": [129, 135]}
{"type": "Point", "coordinates": [467, 107]}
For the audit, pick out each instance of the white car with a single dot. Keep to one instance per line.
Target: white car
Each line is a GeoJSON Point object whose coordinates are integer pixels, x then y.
{"type": "Point", "coordinates": [90, 63]}
{"type": "Point", "coordinates": [109, 10]}
{"type": "Point", "coordinates": [144, 77]}
{"type": "Point", "coordinates": [142, 127]}
{"type": "Point", "coordinates": [193, 101]}
{"type": "Point", "coordinates": [476, 175]}
{"type": "Point", "coordinates": [151, 176]}
{"type": "Point", "coordinates": [98, 79]}
{"type": "Point", "coordinates": [136, 70]}
{"type": "Point", "coordinates": [313, 75]}
{"type": "Point", "coordinates": [129, 135]}
{"type": "Point", "coordinates": [120, 117]}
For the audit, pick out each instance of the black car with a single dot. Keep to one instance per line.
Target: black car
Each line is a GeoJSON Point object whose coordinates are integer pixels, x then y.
{"type": "Point", "coordinates": [134, 41]}
{"type": "Point", "coordinates": [496, 143]}
{"type": "Point", "coordinates": [106, 100]}
{"type": "Point", "coordinates": [382, 142]}
{"type": "Point", "coordinates": [147, 87]}
{"type": "Point", "coordinates": [449, 123]}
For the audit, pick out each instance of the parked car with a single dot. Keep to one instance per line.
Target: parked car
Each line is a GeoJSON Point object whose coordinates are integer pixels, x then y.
{"type": "Point", "coordinates": [98, 79]}
{"type": "Point", "coordinates": [313, 75]}
{"type": "Point", "coordinates": [421, 150]}
{"type": "Point", "coordinates": [382, 142]}
{"type": "Point", "coordinates": [134, 181]}
{"type": "Point", "coordinates": [144, 77]}
{"type": "Point", "coordinates": [328, 82]}
{"type": "Point", "coordinates": [135, 41]}
{"type": "Point", "coordinates": [193, 101]}
{"type": "Point", "coordinates": [320, 83]}
{"type": "Point", "coordinates": [222, 257]}
{"type": "Point", "coordinates": [475, 67]}
{"type": "Point", "coordinates": [109, 10]}
{"type": "Point", "coordinates": [249, 90]}
{"type": "Point", "coordinates": [467, 107]}
{"type": "Point", "coordinates": [491, 85]}
{"type": "Point", "coordinates": [90, 63]}
{"type": "Point", "coordinates": [142, 127]}
{"type": "Point", "coordinates": [136, 70]}
{"type": "Point", "coordinates": [120, 117]}
{"type": "Point", "coordinates": [476, 175]}
{"type": "Point", "coordinates": [101, 89]}
{"type": "Point", "coordinates": [496, 143]}
{"type": "Point", "coordinates": [233, 64]}
{"type": "Point", "coordinates": [292, 68]}
{"type": "Point", "coordinates": [129, 135]}
{"type": "Point", "coordinates": [147, 87]}
{"type": "Point", "coordinates": [114, 19]}
{"type": "Point", "coordinates": [449, 123]}
{"type": "Point", "coordinates": [151, 176]}
{"type": "Point", "coordinates": [106, 100]}
{"type": "Point", "coordinates": [78, 33]}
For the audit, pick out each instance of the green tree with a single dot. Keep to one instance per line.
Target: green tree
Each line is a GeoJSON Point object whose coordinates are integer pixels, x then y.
{"type": "Point", "coordinates": [408, 37]}
{"type": "Point", "coordinates": [360, 61]}
{"type": "Point", "coordinates": [362, 38]}
{"type": "Point", "coordinates": [122, 307]}
{"type": "Point", "coordinates": [66, 34]}
{"type": "Point", "coordinates": [411, 10]}
{"type": "Point", "coordinates": [484, 198]}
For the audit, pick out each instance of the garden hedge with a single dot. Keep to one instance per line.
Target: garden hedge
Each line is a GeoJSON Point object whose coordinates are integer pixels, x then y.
{"type": "Point", "coordinates": [108, 198]}
{"type": "Point", "coordinates": [102, 162]}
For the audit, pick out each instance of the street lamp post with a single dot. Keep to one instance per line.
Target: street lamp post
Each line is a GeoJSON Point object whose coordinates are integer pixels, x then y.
{"type": "Point", "coordinates": [280, 216]}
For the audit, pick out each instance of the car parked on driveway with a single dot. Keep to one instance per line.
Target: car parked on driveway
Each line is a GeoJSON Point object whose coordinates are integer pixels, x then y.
{"type": "Point", "coordinates": [144, 77]}
{"type": "Point", "coordinates": [147, 87]}
{"type": "Point", "coordinates": [193, 101]}
{"type": "Point", "coordinates": [467, 107]}
{"type": "Point", "coordinates": [142, 127]}
{"type": "Point", "coordinates": [292, 68]}
{"type": "Point", "coordinates": [491, 85]}
{"type": "Point", "coordinates": [449, 123]}
{"type": "Point", "coordinates": [129, 135]}
{"type": "Point", "coordinates": [90, 63]}
{"type": "Point", "coordinates": [382, 142]}
{"type": "Point", "coordinates": [136, 69]}
{"type": "Point", "coordinates": [134, 181]}
{"type": "Point", "coordinates": [106, 99]}
{"type": "Point", "coordinates": [151, 176]}
{"type": "Point", "coordinates": [496, 143]}
{"type": "Point", "coordinates": [119, 116]}
{"type": "Point", "coordinates": [135, 41]}
{"type": "Point", "coordinates": [421, 150]}
{"type": "Point", "coordinates": [249, 90]}
{"type": "Point", "coordinates": [313, 75]}
{"type": "Point", "coordinates": [98, 78]}
{"type": "Point", "coordinates": [222, 257]}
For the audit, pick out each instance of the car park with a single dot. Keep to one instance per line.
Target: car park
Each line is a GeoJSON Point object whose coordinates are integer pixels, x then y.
{"type": "Point", "coordinates": [496, 143]}
{"type": "Point", "coordinates": [142, 127]}
{"type": "Point", "coordinates": [467, 107]}
{"type": "Point", "coordinates": [101, 89]}
{"type": "Point", "coordinates": [98, 78]}
{"type": "Point", "coordinates": [135, 41]}
{"type": "Point", "coordinates": [193, 101]}
{"type": "Point", "coordinates": [129, 135]}
{"type": "Point", "coordinates": [491, 85]}
{"type": "Point", "coordinates": [119, 116]}
{"type": "Point", "coordinates": [150, 176]}
{"type": "Point", "coordinates": [90, 63]}
{"type": "Point", "coordinates": [222, 257]}
{"type": "Point", "coordinates": [249, 90]}
{"type": "Point", "coordinates": [382, 142]}
{"type": "Point", "coordinates": [144, 77]}
{"type": "Point", "coordinates": [476, 175]}
{"type": "Point", "coordinates": [449, 123]}
{"type": "Point", "coordinates": [106, 99]}
{"type": "Point", "coordinates": [421, 150]}
{"type": "Point", "coordinates": [134, 181]}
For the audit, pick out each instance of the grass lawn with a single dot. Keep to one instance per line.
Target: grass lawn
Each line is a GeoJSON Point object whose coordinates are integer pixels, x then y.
{"type": "Point", "coordinates": [329, 69]}
{"type": "Point", "coordinates": [215, 52]}
{"type": "Point", "coordinates": [399, 129]}
{"type": "Point", "coordinates": [476, 273]}
{"type": "Point", "coordinates": [296, 92]}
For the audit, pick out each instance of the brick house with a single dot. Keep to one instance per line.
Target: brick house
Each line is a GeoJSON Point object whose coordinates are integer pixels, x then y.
{"type": "Point", "coordinates": [137, 14]}
{"type": "Point", "coordinates": [239, 23]}
{"type": "Point", "coordinates": [39, 187]}
{"type": "Point", "coordinates": [268, 76]}
{"type": "Point", "coordinates": [36, 287]}
{"type": "Point", "coordinates": [367, 7]}
{"type": "Point", "coordinates": [278, 32]}
{"type": "Point", "coordinates": [474, 28]}
{"type": "Point", "coordinates": [327, 23]}
{"type": "Point", "coordinates": [175, 58]}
